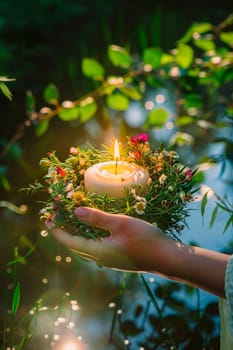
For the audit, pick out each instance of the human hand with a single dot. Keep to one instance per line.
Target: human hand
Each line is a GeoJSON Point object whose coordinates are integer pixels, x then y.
{"type": "Point", "coordinates": [136, 245]}
{"type": "Point", "coordinates": [131, 245]}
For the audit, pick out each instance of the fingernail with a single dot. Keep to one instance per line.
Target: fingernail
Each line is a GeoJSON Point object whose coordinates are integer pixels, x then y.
{"type": "Point", "coordinates": [81, 212]}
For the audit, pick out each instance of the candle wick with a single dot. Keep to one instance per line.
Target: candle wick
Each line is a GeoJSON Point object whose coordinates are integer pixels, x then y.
{"type": "Point", "coordinates": [116, 168]}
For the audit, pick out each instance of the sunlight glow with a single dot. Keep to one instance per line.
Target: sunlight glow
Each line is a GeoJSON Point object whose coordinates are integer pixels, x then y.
{"type": "Point", "coordinates": [203, 190]}
{"type": "Point", "coordinates": [112, 305]}
{"type": "Point", "coordinates": [170, 125]}
{"type": "Point", "coordinates": [149, 105]}
{"type": "Point", "coordinates": [175, 72]}
{"type": "Point", "coordinates": [70, 346]}
{"type": "Point", "coordinates": [44, 233]}
{"type": "Point", "coordinates": [160, 98]}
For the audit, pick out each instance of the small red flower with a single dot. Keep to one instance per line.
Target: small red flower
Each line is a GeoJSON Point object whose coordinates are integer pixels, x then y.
{"type": "Point", "coordinates": [49, 154]}
{"type": "Point", "coordinates": [137, 155]}
{"type": "Point", "coordinates": [60, 171]}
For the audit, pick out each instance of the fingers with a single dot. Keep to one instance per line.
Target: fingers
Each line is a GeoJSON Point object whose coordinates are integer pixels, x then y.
{"type": "Point", "coordinates": [86, 248]}
{"type": "Point", "coordinates": [99, 218]}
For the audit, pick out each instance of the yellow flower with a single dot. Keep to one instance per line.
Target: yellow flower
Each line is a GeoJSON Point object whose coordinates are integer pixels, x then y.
{"type": "Point", "coordinates": [78, 197]}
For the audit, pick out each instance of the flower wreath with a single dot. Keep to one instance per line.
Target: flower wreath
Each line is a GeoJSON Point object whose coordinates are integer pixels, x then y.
{"type": "Point", "coordinates": [164, 202]}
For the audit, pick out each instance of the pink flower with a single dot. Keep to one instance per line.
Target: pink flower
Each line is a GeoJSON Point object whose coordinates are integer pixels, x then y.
{"type": "Point", "coordinates": [188, 174]}
{"type": "Point", "coordinates": [133, 140]}
{"type": "Point", "coordinates": [143, 137]}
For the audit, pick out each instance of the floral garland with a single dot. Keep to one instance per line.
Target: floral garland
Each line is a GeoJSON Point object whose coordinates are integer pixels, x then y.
{"type": "Point", "coordinates": [164, 202]}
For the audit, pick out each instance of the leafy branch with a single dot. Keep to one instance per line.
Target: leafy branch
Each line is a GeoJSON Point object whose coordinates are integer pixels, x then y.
{"type": "Point", "coordinates": [202, 58]}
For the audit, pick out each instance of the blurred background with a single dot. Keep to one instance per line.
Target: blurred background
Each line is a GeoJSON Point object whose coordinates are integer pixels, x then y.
{"type": "Point", "coordinates": [50, 297]}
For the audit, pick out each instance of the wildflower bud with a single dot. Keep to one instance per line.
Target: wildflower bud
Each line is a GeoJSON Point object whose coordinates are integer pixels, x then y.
{"type": "Point", "coordinates": [73, 150]}
{"type": "Point", "coordinates": [45, 163]}
{"type": "Point", "coordinates": [60, 171]}
{"type": "Point", "coordinates": [82, 162]}
{"type": "Point", "coordinates": [188, 174]}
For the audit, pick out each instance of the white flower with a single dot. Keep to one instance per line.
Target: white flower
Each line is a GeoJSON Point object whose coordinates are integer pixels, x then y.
{"type": "Point", "coordinates": [140, 205]}
{"type": "Point", "coordinates": [133, 191]}
{"type": "Point", "coordinates": [70, 194]}
{"type": "Point", "coordinates": [182, 196]}
{"type": "Point", "coordinates": [162, 179]}
{"type": "Point", "coordinates": [69, 187]}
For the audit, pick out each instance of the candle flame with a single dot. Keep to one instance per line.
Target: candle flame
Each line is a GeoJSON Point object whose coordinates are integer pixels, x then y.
{"type": "Point", "coordinates": [116, 151]}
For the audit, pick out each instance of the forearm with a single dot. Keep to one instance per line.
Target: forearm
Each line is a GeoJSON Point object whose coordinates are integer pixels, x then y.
{"type": "Point", "coordinates": [135, 245]}
{"type": "Point", "coordinates": [188, 264]}
{"type": "Point", "coordinates": [202, 268]}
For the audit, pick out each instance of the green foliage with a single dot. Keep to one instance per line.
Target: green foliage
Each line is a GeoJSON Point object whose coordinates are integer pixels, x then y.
{"type": "Point", "coordinates": [30, 103]}
{"type": "Point", "coordinates": [92, 69]}
{"type": "Point", "coordinates": [42, 127]}
{"type": "Point", "coordinates": [4, 88]}
{"type": "Point", "coordinates": [156, 118]}
{"type": "Point", "coordinates": [119, 56]}
{"type": "Point", "coordinates": [162, 202]}
{"type": "Point", "coordinates": [199, 68]}
{"type": "Point", "coordinates": [87, 109]}
{"type": "Point", "coordinates": [68, 114]}
{"type": "Point", "coordinates": [118, 102]}
{"type": "Point", "coordinates": [221, 203]}
{"type": "Point", "coordinates": [16, 299]}
{"type": "Point", "coordinates": [152, 56]}
{"type": "Point", "coordinates": [184, 55]}
{"type": "Point", "coordinates": [51, 94]}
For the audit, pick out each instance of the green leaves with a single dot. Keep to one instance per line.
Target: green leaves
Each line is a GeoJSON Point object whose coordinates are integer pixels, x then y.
{"type": "Point", "coordinates": [119, 56]}
{"type": "Point", "coordinates": [118, 102]}
{"type": "Point", "coordinates": [15, 299]}
{"type": "Point", "coordinates": [91, 68]}
{"type": "Point", "coordinates": [68, 114]}
{"type": "Point", "coordinates": [227, 38]}
{"type": "Point", "coordinates": [156, 118]}
{"type": "Point", "coordinates": [204, 203]}
{"type": "Point", "coordinates": [88, 108]}
{"type": "Point", "coordinates": [30, 102]}
{"type": "Point", "coordinates": [222, 204]}
{"type": "Point", "coordinates": [51, 94]}
{"type": "Point", "coordinates": [152, 56]}
{"type": "Point", "coordinates": [193, 101]}
{"type": "Point", "coordinates": [184, 120]}
{"type": "Point", "coordinates": [84, 111]}
{"type": "Point", "coordinates": [198, 28]}
{"type": "Point", "coordinates": [4, 88]}
{"type": "Point", "coordinates": [184, 55]}
{"type": "Point", "coordinates": [205, 44]}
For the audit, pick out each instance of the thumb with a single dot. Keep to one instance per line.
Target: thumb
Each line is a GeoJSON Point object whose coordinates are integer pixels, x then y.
{"type": "Point", "coordinates": [99, 218]}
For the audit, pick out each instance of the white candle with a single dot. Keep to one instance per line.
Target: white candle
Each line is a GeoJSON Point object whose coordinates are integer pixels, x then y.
{"type": "Point", "coordinates": [114, 177]}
